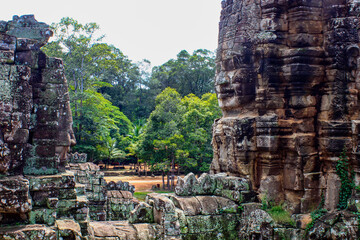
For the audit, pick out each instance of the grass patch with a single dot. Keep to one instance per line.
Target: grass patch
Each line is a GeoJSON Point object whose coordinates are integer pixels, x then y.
{"type": "Point", "coordinates": [281, 216]}
{"type": "Point", "coordinates": [163, 191]}
{"type": "Point", "coordinates": [142, 195]}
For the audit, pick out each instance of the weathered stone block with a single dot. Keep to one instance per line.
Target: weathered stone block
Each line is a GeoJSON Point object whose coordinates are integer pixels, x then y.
{"type": "Point", "coordinates": [7, 56]}
{"type": "Point", "coordinates": [7, 42]}
{"type": "Point", "coordinates": [143, 213]}
{"type": "Point", "coordinates": [27, 27]}
{"type": "Point", "coordinates": [28, 232]}
{"type": "Point", "coordinates": [14, 195]}
{"type": "Point", "coordinates": [68, 229]}
{"type": "Point", "coordinates": [45, 216]}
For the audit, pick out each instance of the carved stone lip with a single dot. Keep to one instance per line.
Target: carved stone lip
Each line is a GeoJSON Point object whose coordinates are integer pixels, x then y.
{"type": "Point", "coordinates": [226, 95]}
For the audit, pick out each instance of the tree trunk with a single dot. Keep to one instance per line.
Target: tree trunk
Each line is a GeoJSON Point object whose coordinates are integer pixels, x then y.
{"type": "Point", "coordinates": [163, 179]}
{"type": "Point", "coordinates": [172, 173]}
{"type": "Point", "coordinates": [81, 91]}
{"type": "Point", "coordinates": [145, 168]}
{"type": "Point", "coordinates": [139, 173]}
{"type": "Point", "coordinates": [168, 180]}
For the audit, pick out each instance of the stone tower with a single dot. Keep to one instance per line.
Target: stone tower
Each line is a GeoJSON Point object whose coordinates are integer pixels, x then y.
{"type": "Point", "coordinates": [288, 85]}
{"type": "Point", "coordinates": [35, 116]}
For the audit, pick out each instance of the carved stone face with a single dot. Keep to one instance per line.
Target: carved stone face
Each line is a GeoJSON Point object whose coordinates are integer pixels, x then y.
{"type": "Point", "coordinates": [235, 87]}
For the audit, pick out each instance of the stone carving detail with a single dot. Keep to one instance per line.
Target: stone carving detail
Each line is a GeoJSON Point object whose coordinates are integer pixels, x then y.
{"type": "Point", "coordinates": [288, 86]}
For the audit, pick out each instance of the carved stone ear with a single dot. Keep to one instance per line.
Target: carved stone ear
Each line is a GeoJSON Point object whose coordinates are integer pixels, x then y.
{"type": "Point", "coordinates": [1, 136]}
{"type": "Point", "coordinates": [352, 53]}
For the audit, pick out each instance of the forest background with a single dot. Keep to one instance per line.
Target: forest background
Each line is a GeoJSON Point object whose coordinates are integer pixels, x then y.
{"type": "Point", "coordinates": [125, 112]}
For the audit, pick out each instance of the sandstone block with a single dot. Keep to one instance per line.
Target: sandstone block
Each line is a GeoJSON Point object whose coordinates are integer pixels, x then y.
{"type": "Point", "coordinates": [14, 195]}
{"type": "Point", "coordinates": [68, 229]}
{"type": "Point", "coordinates": [35, 231]}
{"type": "Point", "coordinates": [143, 213]}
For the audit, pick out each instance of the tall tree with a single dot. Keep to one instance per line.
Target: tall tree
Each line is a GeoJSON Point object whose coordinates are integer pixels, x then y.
{"type": "Point", "coordinates": [187, 74]}
{"type": "Point", "coordinates": [178, 132]}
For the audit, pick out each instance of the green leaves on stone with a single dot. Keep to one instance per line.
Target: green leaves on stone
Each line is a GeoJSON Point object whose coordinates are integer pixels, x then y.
{"type": "Point", "coordinates": [347, 176]}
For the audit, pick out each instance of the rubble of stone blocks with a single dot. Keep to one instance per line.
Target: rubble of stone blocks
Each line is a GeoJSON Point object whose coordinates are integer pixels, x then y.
{"type": "Point", "coordinates": [197, 210]}
{"type": "Point", "coordinates": [107, 201]}
{"type": "Point", "coordinates": [77, 157]}
{"type": "Point", "coordinates": [54, 197]}
{"type": "Point", "coordinates": [124, 230]}
{"type": "Point", "coordinates": [120, 204]}
{"type": "Point", "coordinates": [90, 181]}
{"type": "Point", "coordinates": [15, 202]}
{"type": "Point", "coordinates": [234, 188]}
{"type": "Point", "coordinates": [120, 186]}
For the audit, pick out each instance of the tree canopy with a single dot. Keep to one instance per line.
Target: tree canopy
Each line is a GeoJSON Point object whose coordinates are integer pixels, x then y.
{"type": "Point", "coordinates": [179, 131]}
{"type": "Point", "coordinates": [187, 74]}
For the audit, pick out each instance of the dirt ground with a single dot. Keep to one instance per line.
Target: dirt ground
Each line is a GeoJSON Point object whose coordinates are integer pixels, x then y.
{"type": "Point", "coordinates": [142, 184]}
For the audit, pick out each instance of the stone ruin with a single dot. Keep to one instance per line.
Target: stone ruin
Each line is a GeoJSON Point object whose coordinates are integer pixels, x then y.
{"type": "Point", "coordinates": [287, 83]}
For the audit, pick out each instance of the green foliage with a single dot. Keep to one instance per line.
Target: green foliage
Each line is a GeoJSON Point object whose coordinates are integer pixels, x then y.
{"type": "Point", "coordinates": [347, 176]}
{"type": "Point", "coordinates": [141, 196]}
{"type": "Point", "coordinates": [315, 215]}
{"type": "Point", "coordinates": [110, 151]}
{"type": "Point", "coordinates": [281, 216]}
{"type": "Point", "coordinates": [187, 74]}
{"type": "Point", "coordinates": [277, 212]}
{"type": "Point", "coordinates": [266, 204]}
{"type": "Point", "coordinates": [179, 129]}
{"type": "Point", "coordinates": [97, 121]}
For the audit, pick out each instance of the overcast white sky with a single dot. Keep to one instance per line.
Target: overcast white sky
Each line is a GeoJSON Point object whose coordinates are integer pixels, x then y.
{"type": "Point", "coordinates": [153, 29]}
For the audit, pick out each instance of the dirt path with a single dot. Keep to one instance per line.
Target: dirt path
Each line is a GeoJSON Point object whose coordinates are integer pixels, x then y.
{"type": "Point", "coordinates": [142, 184]}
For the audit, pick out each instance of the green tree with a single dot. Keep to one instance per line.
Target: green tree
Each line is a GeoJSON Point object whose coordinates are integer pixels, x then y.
{"type": "Point", "coordinates": [110, 152]}
{"type": "Point", "coordinates": [187, 74]}
{"type": "Point", "coordinates": [157, 146]}
{"type": "Point", "coordinates": [100, 120]}
{"type": "Point", "coordinates": [178, 132]}
{"type": "Point", "coordinates": [196, 127]}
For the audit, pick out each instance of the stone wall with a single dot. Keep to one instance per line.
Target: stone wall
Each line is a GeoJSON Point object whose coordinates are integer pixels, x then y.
{"type": "Point", "coordinates": [288, 86]}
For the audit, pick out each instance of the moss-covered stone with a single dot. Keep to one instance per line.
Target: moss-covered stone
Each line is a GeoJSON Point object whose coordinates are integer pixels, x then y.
{"type": "Point", "coordinates": [45, 216]}
{"type": "Point", "coordinates": [68, 229]}
{"type": "Point", "coordinates": [31, 232]}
